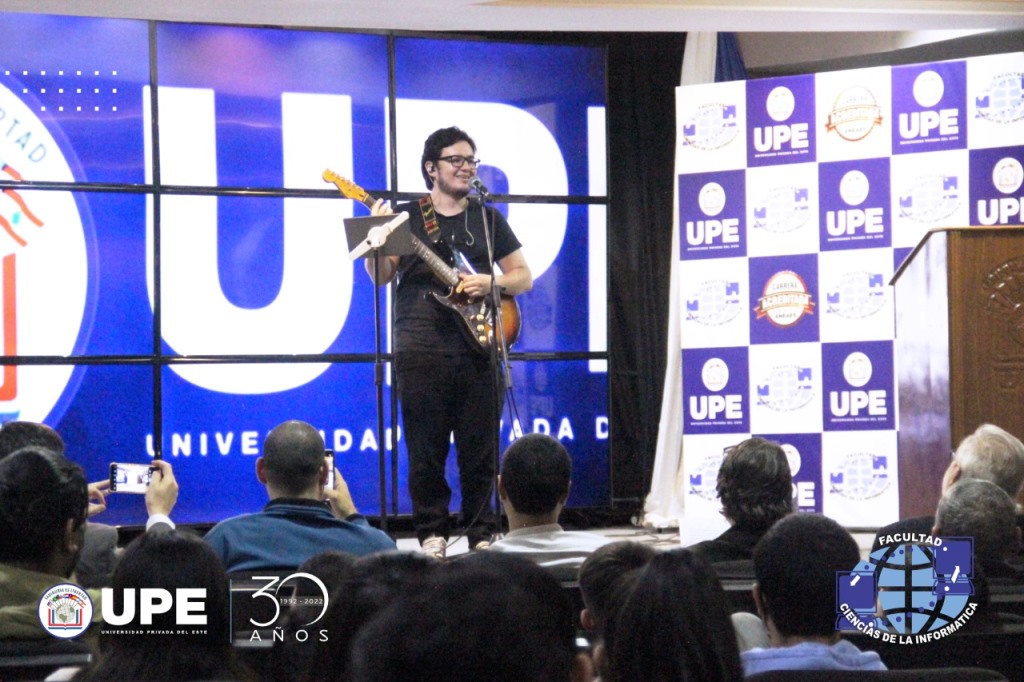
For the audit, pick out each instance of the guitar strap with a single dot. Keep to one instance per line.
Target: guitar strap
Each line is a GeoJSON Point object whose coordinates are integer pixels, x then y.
{"type": "Point", "coordinates": [430, 218]}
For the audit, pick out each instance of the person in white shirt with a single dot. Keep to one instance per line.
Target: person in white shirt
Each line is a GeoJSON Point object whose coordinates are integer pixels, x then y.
{"type": "Point", "coordinates": [534, 484]}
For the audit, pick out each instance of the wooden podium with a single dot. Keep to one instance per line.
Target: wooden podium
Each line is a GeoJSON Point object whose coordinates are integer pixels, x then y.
{"type": "Point", "coordinates": [959, 300]}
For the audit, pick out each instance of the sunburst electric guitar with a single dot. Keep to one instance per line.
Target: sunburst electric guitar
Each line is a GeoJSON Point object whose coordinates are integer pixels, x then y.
{"type": "Point", "coordinates": [475, 312]}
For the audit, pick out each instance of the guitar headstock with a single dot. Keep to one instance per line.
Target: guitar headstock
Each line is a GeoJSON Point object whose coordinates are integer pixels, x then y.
{"type": "Point", "coordinates": [347, 187]}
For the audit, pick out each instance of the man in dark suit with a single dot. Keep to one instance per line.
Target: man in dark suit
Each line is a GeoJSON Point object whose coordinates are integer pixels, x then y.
{"type": "Point", "coordinates": [756, 490]}
{"type": "Point", "coordinates": [983, 511]}
{"type": "Point", "coordinates": [989, 454]}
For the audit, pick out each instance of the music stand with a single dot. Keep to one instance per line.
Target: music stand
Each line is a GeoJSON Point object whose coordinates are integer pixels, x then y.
{"type": "Point", "coordinates": [361, 235]}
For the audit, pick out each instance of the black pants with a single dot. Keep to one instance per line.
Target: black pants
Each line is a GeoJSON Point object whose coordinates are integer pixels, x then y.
{"type": "Point", "coordinates": [442, 395]}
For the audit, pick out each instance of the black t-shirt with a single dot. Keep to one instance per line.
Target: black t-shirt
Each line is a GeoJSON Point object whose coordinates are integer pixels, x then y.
{"type": "Point", "coordinates": [422, 324]}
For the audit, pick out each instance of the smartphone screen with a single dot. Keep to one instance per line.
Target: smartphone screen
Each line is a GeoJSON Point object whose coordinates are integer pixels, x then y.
{"type": "Point", "coordinates": [129, 478]}
{"type": "Point", "coordinates": [329, 456]}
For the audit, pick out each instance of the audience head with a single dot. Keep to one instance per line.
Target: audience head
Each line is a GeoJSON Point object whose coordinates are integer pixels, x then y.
{"type": "Point", "coordinates": [371, 584]}
{"type": "Point", "coordinates": [331, 567]}
{"type": "Point", "coordinates": [982, 510]}
{"type": "Point", "coordinates": [795, 565]}
{"type": "Point", "coordinates": [16, 435]}
{"type": "Point", "coordinates": [990, 454]}
{"type": "Point", "coordinates": [601, 573]}
{"type": "Point", "coordinates": [535, 475]}
{"type": "Point", "coordinates": [435, 145]}
{"type": "Point", "coordinates": [293, 463]}
{"type": "Point", "coordinates": [755, 484]}
{"type": "Point", "coordinates": [488, 616]}
{"type": "Point", "coordinates": [672, 625]}
{"type": "Point", "coordinates": [169, 560]}
{"type": "Point", "coordinates": [43, 502]}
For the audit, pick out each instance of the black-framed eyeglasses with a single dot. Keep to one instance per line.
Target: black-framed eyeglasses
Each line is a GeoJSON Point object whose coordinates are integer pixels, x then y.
{"type": "Point", "coordinates": [458, 161]}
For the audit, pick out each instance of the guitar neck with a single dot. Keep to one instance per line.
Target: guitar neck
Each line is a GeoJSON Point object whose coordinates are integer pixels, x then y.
{"type": "Point", "coordinates": [446, 274]}
{"type": "Point", "coordinates": [441, 270]}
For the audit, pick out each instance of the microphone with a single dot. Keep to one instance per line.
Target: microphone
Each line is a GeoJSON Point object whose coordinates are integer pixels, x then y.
{"type": "Point", "coordinates": [480, 187]}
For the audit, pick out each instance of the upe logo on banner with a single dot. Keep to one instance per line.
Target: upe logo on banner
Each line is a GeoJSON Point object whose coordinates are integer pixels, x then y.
{"type": "Point", "coordinates": [189, 604]}
{"type": "Point", "coordinates": [65, 611]}
{"type": "Point", "coordinates": [928, 91]}
{"type": "Point", "coordinates": [1007, 178]}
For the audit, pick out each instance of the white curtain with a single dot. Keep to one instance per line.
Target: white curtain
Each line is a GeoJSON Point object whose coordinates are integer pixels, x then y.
{"type": "Point", "coordinates": [664, 505]}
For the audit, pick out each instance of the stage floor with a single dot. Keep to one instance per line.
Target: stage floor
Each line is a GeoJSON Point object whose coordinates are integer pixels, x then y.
{"type": "Point", "coordinates": [661, 540]}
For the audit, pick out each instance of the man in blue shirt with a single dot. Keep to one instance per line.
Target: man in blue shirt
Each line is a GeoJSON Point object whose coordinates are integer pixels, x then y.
{"type": "Point", "coordinates": [795, 565]}
{"type": "Point", "coordinates": [303, 517]}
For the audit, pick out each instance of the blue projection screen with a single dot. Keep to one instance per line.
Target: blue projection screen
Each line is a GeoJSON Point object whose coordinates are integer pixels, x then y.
{"type": "Point", "coordinates": [191, 220]}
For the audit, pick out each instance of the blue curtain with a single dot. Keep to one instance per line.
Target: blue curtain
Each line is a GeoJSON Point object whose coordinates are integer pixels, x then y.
{"type": "Point", "coordinates": [729, 62]}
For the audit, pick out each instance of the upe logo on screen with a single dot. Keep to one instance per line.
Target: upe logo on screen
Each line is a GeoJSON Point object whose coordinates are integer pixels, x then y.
{"type": "Point", "coordinates": [65, 611]}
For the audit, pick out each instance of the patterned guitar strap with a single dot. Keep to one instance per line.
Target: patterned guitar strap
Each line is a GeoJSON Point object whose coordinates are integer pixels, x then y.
{"type": "Point", "coordinates": [430, 218]}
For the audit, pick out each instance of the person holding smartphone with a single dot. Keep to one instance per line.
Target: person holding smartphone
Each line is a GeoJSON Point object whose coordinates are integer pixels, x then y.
{"type": "Point", "coordinates": [303, 516]}
{"type": "Point", "coordinates": [99, 554]}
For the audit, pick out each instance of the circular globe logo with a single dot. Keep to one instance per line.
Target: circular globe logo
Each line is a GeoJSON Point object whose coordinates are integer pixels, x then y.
{"type": "Point", "coordinates": [65, 611]}
{"type": "Point", "coordinates": [915, 591]}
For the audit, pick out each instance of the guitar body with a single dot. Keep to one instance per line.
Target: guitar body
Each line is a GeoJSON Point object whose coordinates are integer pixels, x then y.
{"type": "Point", "coordinates": [476, 318]}
{"type": "Point", "coordinates": [475, 313]}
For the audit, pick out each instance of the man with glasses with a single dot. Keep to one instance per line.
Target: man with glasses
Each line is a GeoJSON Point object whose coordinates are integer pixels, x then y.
{"type": "Point", "coordinates": [446, 382]}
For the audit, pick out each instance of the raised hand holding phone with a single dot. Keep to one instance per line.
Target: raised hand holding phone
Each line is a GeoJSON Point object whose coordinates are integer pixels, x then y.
{"type": "Point", "coordinates": [338, 495]}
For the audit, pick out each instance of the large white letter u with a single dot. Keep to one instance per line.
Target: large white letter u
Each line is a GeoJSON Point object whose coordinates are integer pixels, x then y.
{"type": "Point", "coordinates": [316, 288]}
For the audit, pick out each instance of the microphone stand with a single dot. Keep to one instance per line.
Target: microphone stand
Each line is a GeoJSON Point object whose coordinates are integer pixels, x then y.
{"type": "Point", "coordinates": [497, 345]}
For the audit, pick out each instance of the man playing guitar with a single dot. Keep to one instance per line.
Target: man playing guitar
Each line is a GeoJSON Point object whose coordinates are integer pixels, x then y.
{"type": "Point", "coordinates": [446, 385]}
